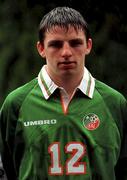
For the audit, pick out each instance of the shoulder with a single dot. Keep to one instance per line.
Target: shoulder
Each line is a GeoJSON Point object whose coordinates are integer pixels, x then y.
{"type": "Point", "coordinates": [16, 97]}
{"type": "Point", "coordinates": [113, 99]}
{"type": "Point", "coordinates": [114, 102]}
{"type": "Point", "coordinates": [9, 111]}
{"type": "Point", "coordinates": [108, 93]}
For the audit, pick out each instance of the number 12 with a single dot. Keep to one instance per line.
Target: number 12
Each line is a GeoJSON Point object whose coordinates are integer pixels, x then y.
{"type": "Point", "coordinates": [73, 164]}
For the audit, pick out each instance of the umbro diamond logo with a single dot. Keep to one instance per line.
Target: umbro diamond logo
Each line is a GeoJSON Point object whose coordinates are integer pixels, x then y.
{"type": "Point", "coordinates": [40, 122]}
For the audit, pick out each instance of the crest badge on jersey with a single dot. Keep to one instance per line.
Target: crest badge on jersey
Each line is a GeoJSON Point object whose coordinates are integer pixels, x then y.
{"type": "Point", "coordinates": [91, 121]}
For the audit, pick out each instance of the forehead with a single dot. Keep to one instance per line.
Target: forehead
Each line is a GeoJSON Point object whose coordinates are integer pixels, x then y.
{"type": "Point", "coordinates": [58, 32]}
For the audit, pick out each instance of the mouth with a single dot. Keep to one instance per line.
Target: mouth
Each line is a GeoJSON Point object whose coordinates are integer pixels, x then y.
{"type": "Point", "coordinates": [67, 64]}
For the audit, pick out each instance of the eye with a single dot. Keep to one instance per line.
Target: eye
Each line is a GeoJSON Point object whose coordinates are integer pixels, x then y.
{"type": "Point", "coordinates": [55, 44]}
{"type": "Point", "coordinates": [76, 42]}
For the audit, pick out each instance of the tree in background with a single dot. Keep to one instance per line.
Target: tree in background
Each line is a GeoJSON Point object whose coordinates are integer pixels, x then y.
{"type": "Point", "coordinates": [20, 62]}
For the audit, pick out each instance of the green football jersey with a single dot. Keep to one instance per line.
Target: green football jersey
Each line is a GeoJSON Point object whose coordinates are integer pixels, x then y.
{"type": "Point", "coordinates": [42, 142]}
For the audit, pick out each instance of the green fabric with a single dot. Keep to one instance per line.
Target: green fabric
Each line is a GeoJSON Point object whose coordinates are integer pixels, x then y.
{"type": "Point", "coordinates": [31, 125]}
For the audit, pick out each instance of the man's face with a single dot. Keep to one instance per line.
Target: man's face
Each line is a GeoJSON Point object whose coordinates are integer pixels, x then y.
{"type": "Point", "coordinates": [64, 51]}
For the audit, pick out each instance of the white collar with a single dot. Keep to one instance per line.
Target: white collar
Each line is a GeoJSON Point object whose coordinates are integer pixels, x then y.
{"type": "Point", "coordinates": [48, 87]}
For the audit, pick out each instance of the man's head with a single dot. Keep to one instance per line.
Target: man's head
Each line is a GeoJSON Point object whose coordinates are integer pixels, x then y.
{"type": "Point", "coordinates": [63, 17]}
{"type": "Point", "coordinates": [64, 41]}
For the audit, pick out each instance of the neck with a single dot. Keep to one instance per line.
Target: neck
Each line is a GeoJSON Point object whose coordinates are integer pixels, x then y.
{"type": "Point", "coordinates": [69, 83]}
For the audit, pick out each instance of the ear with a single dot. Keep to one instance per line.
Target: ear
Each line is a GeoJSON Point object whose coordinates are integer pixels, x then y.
{"type": "Point", "coordinates": [40, 48]}
{"type": "Point", "coordinates": [89, 46]}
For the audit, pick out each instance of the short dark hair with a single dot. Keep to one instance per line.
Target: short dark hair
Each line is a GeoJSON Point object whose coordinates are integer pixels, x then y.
{"type": "Point", "coordinates": [63, 17]}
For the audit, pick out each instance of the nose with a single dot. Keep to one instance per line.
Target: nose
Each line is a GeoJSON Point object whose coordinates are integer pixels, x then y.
{"type": "Point", "coordinates": [66, 50]}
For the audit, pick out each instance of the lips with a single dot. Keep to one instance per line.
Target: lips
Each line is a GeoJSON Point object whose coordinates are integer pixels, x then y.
{"type": "Point", "coordinates": [67, 64]}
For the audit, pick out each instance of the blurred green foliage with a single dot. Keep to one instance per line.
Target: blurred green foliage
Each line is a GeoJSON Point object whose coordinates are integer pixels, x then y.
{"type": "Point", "coordinates": [20, 62]}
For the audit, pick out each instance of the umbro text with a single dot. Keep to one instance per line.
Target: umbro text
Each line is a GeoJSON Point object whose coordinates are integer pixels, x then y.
{"type": "Point", "coordinates": [40, 122]}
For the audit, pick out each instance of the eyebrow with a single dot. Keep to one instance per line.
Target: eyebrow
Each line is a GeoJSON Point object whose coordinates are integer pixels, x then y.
{"type": "Point", "coordinates": [76, 40]}
{"type": "Point", "coordinates": [54, 42]}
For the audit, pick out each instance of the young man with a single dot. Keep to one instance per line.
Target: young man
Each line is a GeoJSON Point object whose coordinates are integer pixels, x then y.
{"type": "Point", "coordinates": [64, 124]}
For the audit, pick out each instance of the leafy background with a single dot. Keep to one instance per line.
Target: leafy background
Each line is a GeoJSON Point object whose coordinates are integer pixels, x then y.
{"type": "Point", "coordinates": [20, 62]}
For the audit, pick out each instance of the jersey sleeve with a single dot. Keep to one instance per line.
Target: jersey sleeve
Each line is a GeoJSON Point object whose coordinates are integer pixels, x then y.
{"type": "Point", "coordinates": [9, 114]}
{"type": "Point", "coordinates": [121, 167]}
{"type": "Point", "coordinates": [8, 117]}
